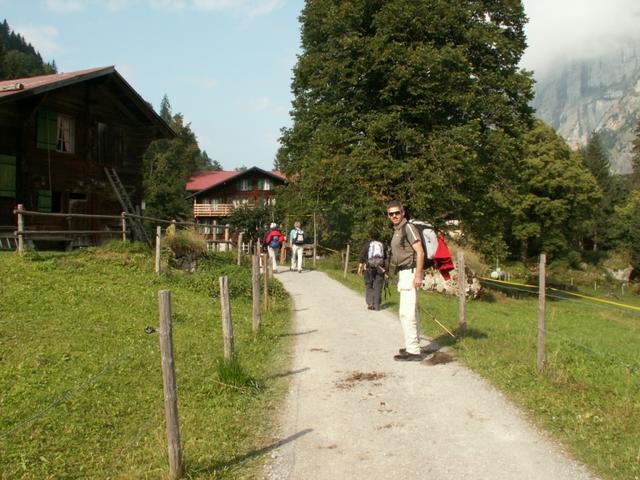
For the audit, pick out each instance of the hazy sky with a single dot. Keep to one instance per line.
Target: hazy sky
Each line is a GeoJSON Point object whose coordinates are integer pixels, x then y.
{"type": "Point", "coordinates": [226, 64]}
{"type": "Point", "coordinates": [566, 29]}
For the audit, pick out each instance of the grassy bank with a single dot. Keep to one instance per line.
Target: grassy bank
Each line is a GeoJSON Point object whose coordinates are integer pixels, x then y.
{"type": "Point", "coordinates": [588, 397]}
{"type": "Point", "coordinates": [80, 379]}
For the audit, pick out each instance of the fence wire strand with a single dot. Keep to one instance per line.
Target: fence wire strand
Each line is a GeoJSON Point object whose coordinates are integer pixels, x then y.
{"type": "Point", "coordinates": [68, 394]}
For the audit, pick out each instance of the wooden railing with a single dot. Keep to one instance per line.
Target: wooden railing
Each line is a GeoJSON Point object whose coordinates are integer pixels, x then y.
{"type": "Point", "coordinates": [211, 210]}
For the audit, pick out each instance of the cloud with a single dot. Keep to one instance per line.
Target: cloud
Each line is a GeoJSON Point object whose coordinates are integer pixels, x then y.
{"type": "Point", "coordinates": [576, 29]}
{"type": "Point", "coordinates": [246, 8]}
{"type": "Point", "coordinates": [168, 4]}
{"type": "Point", "coordinates": [44, 38]}
{"type": "Point", "coordinates": [266, 104]}
{"type": "Point", "coordinates": [66, 6]}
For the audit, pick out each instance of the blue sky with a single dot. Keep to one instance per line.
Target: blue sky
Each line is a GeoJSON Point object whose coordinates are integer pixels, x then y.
{"type": "Point", "coordinates": [226, 64]}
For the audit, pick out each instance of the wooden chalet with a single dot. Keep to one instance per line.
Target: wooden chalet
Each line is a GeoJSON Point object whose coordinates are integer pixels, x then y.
{"type": "Point", "coordinates": [73, 143]}
{"type": "Point", "coordinates": [215, 194]}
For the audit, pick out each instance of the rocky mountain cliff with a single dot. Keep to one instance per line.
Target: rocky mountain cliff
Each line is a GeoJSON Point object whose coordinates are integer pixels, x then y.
{"type": "Point", "coordinates": [601, 94]}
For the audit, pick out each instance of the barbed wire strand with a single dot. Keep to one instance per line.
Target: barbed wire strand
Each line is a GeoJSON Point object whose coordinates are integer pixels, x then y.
{"type": "Point", "coordinates": [560, 297]}
{"type": "Point", "coordinates": [65, 396]}
{"type": "Point", "coordinates": [132, 441]}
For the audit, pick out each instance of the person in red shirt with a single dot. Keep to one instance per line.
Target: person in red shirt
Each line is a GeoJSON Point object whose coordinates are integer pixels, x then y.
{"type": "Point", "coordinates": [273, 241]}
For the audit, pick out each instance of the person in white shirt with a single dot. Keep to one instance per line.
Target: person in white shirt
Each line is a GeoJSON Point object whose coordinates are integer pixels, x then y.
{"type": "Point", "coordinates": [296, 242]}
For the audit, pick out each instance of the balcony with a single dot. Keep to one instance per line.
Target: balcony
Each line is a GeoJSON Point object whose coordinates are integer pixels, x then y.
{"type": "Point", "coordinates": [220, 210]}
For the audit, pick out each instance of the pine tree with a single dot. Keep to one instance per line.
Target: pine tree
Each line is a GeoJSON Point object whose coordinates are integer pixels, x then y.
{"type": "Point", "coordinates": [165, 109]}
{"type": "Point", "coordinates": [421, 101]}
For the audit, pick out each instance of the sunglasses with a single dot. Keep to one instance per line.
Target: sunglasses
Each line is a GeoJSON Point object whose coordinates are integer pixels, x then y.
{"type": "Point", "coordinates": [395, 213]}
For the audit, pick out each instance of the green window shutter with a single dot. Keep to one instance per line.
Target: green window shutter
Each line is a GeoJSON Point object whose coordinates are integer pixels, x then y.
{"type": "Point", "coordinates": [47, 130]}
{"type": "Point", "coordinates": [44, 201]}
{"type": "Point", "coordinates": [7, 176]}
{"type": "Point", "coordinates": [261, 184]}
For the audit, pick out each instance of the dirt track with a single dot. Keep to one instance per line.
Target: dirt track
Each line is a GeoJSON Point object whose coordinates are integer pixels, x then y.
{"type": "Point", "coordinates": [355, 413]}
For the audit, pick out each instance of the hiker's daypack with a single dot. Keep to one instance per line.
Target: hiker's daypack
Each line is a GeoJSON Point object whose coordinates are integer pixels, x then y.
{"type": "Point", "coordinates": [428, 238]}
{"type": "Point", "coordinates": [375, 254]}
{"type": "Point", "coordinates": [298, 239]}
{"type": "Point", "coordinates": [275, 241]}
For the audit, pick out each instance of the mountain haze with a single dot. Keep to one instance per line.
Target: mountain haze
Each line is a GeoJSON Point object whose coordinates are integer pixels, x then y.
{"type": "Point", "coordinates": [602, 94]}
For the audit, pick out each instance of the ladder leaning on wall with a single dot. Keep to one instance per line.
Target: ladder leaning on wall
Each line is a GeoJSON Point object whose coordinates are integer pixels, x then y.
{"type": "Point", "coordinates": [123, 197]}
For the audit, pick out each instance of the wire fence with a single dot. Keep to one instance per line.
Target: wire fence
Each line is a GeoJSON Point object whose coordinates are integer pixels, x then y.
{"type": "Point", "coordinates": [589, 302]}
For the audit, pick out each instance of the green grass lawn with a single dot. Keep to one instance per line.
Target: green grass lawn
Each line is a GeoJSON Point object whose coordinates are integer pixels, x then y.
{"type": "Point", "coordinates": [588, 397]}
{"type": "Point", "coordinates": [80, 380]}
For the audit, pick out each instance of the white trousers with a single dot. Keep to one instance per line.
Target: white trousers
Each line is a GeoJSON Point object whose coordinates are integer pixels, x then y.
{"type": "Point", "coordinates": [408, 311]}
{"type": "Point", "coordinates": [273, 257]}
{"type": "Point", "coordinates": [296, 257]}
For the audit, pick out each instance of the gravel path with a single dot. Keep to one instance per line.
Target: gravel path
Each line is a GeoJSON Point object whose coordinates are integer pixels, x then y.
{"type": "Point", "coordinates": [354, 413]}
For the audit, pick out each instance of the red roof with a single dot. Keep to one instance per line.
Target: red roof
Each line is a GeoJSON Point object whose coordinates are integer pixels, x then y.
{"type": "Point", "coordinates": [207, 179]}
{"type": "Point", "coordinates": [23, 85]}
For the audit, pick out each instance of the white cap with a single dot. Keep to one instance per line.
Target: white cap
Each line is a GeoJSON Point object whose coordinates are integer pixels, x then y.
{"type": "Point", "coordinates": [273, 225]}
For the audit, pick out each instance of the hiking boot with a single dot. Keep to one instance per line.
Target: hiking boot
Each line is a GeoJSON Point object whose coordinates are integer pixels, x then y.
{"type": "Point", "coordinates": [407, 357]}
{"type": "Point", "coordinates": [370, 307]}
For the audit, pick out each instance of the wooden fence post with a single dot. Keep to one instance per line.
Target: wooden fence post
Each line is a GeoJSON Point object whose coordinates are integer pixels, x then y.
{"type": "Point", "coordinates": [265, 271]}
{"type": "Point", "coordinates": [315, 239]}
{"type": "Point", "coordinates": [158, 244]}
{"type": "Point", "coordinates": [541, 308]}
{"type": "Point", "coordinates": [240, 248]}
{"type": "Point", "coordinates": [255, 284]}
{"type": "Point", "coordinates": [123, 223]}
{"type": "Point", "coordinates": [462, 287]}
{"type": "Point", "coordinates": [227, 324]}
{"type": "Point", "coordinates": [20, 229]}
{"type": "Point", "coordinates": [346, 261]}
{"type": "Point", "coordinates": [169, 384]}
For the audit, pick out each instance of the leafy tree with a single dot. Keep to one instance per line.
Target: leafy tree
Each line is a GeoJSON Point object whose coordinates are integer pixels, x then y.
{"type": "Point", "coordinates": [208, 163]}
{"type": "Point", "coordinates": [418, 101]}
{"type": "Point", "coordinates": [635, 160]}
{"type": "Point", "coordinates": [251, 220]}
{"type": "Point", "coordinates": [627, 226]}
{"type": "Point", "coordinates": [168, 164]}
{"type": "Point", "coordinates": [555, 194]}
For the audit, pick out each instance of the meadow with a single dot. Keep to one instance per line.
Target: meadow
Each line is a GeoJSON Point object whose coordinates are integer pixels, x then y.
{"type": "Point", "coordinates": [80, 374]}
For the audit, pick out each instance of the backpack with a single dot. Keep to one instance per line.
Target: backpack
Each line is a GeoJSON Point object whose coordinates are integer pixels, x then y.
{"type": "Point", "coordinates": [375, 255]}
{"type": "Point", "coordinates": [428, 238]}
{"type": "Point", "coordinates": [299, 237]}
{"type": "Point", "coordinates": [275, 241]}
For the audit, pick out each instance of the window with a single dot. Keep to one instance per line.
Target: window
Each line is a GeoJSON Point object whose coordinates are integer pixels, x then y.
{"type": "Point", "coordinates": [44, 201]}
{"type": "Point", "coordinates": [49, 201]}
{"type": "Point", "coordinates": [265, 184]}
{"type": "Point", "coordinates": [66, 134]}
{"type": "Point", "coordinates": [7, 176]}
{"type": "Point", "coordinates": [55, 132]}
{"type": "Point", "coordinates": [245, 185]}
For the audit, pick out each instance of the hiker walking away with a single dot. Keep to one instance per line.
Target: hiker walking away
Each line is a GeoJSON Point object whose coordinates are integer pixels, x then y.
{"type": "Point", "coordinates": [273, 241]}
{"type": "Point", "coordinates": [296, 242]}
{"type": "Point", "coordinates": [372, 267]}
{"type": "Point", "coordinates": [407, 256]}
{"type": "Point", "coordinates": [283, 249]}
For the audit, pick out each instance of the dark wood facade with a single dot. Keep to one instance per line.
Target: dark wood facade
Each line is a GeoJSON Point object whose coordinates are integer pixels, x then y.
{"type": "Point", "coordinates": [61, 134]}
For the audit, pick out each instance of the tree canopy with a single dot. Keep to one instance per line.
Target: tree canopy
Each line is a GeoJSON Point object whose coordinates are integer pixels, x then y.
{"type": "Point", "coordinates": [168, 165]}
{"type": "Point", "coordinates": [417, 101]}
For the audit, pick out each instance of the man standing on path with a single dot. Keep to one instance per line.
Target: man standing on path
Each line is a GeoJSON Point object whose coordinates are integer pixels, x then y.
{"type": "Point", "coordinates": [407, 256]}
{"type": "Point", "coordinates": [296, 242]}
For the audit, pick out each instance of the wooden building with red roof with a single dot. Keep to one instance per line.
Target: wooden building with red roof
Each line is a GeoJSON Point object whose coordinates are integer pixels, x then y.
{"type": "Point", "coordinates": [214, 194]}
{"type": "Point", "coordinates": [62, 136]}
